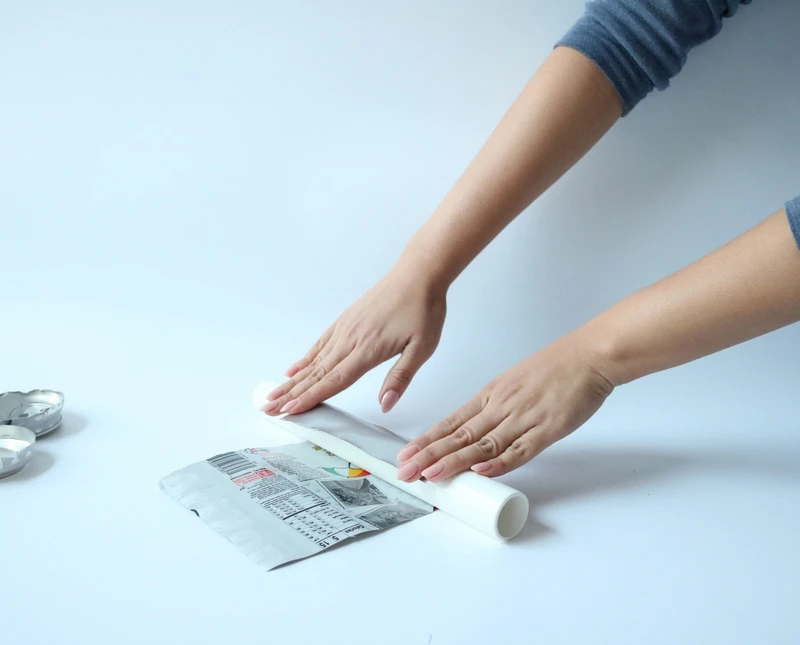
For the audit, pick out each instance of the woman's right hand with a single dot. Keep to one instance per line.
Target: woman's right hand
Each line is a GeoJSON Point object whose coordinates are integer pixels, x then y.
{"type": "Point", "coordinates": [400, 315]}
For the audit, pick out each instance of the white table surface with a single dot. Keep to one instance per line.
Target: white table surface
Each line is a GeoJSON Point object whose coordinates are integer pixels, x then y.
{"type": "Point", "coordinates": [655, 538]}
{"type": "Point", "coordinates": [190, 194]}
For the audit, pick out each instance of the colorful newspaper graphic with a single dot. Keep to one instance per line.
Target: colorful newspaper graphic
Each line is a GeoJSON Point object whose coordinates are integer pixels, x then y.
{"type": "Point", "coordinates": [282, 504]}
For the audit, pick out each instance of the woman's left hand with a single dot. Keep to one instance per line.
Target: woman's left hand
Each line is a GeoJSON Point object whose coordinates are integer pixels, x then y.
{"type": "Point", "coordinates": [519, 414]}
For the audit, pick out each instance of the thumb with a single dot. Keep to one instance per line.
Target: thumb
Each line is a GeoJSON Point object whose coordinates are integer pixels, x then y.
{"type": "Point", "coordinates": [399, 377]}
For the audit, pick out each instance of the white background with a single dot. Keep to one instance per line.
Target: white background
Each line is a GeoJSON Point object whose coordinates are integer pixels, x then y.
{"type": "Point", "coordinates": [190, 192]}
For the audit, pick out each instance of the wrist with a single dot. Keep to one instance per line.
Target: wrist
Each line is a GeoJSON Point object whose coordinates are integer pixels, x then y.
{"type": "Point", "coordinates": [425, 266]}
{"type": "Point", "coordinates": [606, 349]}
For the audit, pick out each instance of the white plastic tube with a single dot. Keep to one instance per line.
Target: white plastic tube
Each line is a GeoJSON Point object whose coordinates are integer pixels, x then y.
{"type": "Point", "coordinates": [484, 504]}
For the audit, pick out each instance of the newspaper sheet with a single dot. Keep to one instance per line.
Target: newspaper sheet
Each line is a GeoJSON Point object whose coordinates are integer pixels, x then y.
{"type": "Point", "coordinates": [282, 504]}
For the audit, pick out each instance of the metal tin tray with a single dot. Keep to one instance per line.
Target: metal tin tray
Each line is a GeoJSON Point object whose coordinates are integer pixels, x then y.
{"type": "Point", "coordinates": [16, 449]}
{"type": "Point", "coordinates": [37, 410]}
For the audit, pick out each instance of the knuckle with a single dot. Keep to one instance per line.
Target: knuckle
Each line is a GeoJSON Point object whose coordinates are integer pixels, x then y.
{"type": "Point", "coordinates": [464, 435]}
{"type": "Point", "coordinates": [541, 419]}
{"type": "Point", "coordinates": [402, 376]}
{"type": "Point", "coordinates": [318, 373]}
{"type": "Point", "coordinates": [371, 346]}
{"type": "Point", "coordinates": [520, 451]}
{"type": "Point", "coordinates": [335, 377]}
{"type": "Point", "coordinates": [452, 421]}
{"type": "Point", "coordinates": [506, 395]}
{"type": "Point", "coordinates": [353, 332]}
{"type": "Point", "coordinates": [532, 403]}
{"type": "Point", "coordinates": [488, 446]}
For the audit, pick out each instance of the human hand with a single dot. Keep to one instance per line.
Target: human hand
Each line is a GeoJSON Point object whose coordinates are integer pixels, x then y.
{"type": "Point", "coordinates": [523, 411]}
{"type": "Point", "coordinates": [402, 314]}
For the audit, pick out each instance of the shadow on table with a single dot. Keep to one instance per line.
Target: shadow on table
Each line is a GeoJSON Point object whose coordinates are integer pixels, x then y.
{"type": "Point", "coordinates": [71, 424]}
{"type": "Point", "coordinates": [42, 462]}
{"type": "Point", "coordinates": [557, 476]}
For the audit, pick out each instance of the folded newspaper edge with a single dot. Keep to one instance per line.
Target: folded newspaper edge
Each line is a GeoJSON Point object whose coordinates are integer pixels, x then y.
{"type": "Point", "coordinates": [485, 504]}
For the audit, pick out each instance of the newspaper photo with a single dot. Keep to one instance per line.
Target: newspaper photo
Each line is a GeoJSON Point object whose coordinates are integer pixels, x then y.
{"type": "Point", "coordinates": [286, 503]}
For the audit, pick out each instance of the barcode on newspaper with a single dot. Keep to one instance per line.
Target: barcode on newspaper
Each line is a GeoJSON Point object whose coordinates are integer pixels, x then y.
{"type": "Point", "coordinates": [231, 463]}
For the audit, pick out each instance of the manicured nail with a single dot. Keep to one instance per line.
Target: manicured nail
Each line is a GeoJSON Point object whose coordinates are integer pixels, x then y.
{"type": "Point", "coordinates": [276, 393]}
{"type": "Point", "coordinates": [389, 400]}
{"type": "Point", "coordinates": [407, 471]}
{"type": "Point", "coordinates": [432, 471]}
{"type": "Point", "coordinates": [482, 468]}
{"type": "Point", "coordinates": [269, 407]}
{"type": "Point", "coordinates": [289, 406]}
{"type": "Point", "coordinates": [406, 453]}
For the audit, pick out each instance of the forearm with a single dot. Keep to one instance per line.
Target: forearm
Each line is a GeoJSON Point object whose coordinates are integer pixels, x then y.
{"type": "Point", "coordinates": [563, 111]}
{"type": "Point", "coordinates": [747, 288]}
{"type": "Point", "coordinates": [569, 104]}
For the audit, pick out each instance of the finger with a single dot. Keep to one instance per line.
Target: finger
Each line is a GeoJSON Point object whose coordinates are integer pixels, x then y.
{"type": "Point", "coordinates": [429, 460]}
{"type": "Point", "coordinates": [275, 397]}
{"type": "Point", "coordinates": [337, 379]}
{"type": "Point", "coordinates": [311, 354]}
{"type": "Point", "coordinates": [441, 429]}
{"type": "Point", "coordinates": [285, 387]}
{"type": "Point", "coordinates": [520, 452]}
{"type": "Point", "coordinates": [280, 396]}
{"type": "Point", "coordinates": [412, 470]}
{"type": "Point", "coordinates": [399, 377]}
{"type": "Point", "coordinates": [318, 371]}
{"type": "Point", "coordinates": [490, 445]}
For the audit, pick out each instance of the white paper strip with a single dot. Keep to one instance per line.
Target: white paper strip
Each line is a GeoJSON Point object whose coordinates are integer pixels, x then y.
{"type": "Point", "coordinates": [484, 504]}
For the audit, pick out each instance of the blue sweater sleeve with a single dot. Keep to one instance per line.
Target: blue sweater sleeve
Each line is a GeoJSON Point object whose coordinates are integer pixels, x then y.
{"type": "Point", "coordinates": [793, 213]}
{"type": "Point", "coordinates": [642, 44]}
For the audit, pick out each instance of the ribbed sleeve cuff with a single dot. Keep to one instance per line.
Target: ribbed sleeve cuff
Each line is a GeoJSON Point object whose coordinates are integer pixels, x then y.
{"type": "Point", "coordinates": [793, 213]}
{"type": "Point", "coordinates": [589, 37]}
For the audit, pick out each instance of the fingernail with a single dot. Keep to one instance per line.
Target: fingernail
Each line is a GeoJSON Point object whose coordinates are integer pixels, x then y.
{"type": "Point", "coordinates": [390, 398]}
{"type": "Point", "coordinates": [277, 392]}
{"type": "Point", "coordinates": [269, 407]}
{"type": "Point", "coordinates": [289, 406]}
{"type": "Point", "coordinates": [482, 468]}
{"type": "Point", "coordinates": [407, 452]}
{"type": "Point", "coordinates": [432, 471]}
{"type": "Point", "coordinates": [407, 471]}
